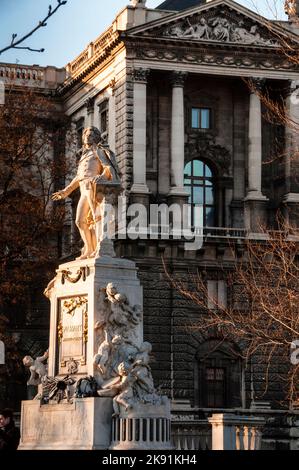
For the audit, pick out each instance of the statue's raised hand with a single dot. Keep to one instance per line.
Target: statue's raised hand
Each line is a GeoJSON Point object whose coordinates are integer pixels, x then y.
{"type": "Point", "coordinates": [58, 195]}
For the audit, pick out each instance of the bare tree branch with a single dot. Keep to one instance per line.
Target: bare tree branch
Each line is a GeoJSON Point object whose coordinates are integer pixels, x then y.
{"type": "Point", "coordinates": [14, 43]}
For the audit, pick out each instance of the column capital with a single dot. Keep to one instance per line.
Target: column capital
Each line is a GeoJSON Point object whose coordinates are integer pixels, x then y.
{"type": "Point", "coordinates": [140, 75]}
{"type": "Point", "coordinates": [89, 104]}
{"type": "Point", "coordinates": [178, 79]}
{"type": "Point", "coordinates": [258, 85]}
{"type": "Point", "coordinates": [293, 85]}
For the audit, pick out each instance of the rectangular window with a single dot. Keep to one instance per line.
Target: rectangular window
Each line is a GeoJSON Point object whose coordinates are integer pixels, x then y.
{"type": "Point", "coordinates": [217, 294]}
{"type": "Point", "coordinates": [215, 382]}
{"type": "Point", "coordinates": [104, 118]}
{"type": "Point", "coordinates": [79, 132]}
{"type": "Point", "coordinates": [201, 118]}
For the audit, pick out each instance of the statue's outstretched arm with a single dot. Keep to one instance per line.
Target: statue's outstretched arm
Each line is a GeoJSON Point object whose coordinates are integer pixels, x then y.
{"type": "Point", "coordinates": [74, 184]}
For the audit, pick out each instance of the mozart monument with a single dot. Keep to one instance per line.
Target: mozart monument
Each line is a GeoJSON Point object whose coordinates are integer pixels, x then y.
{"type": "Point", "coordinates": [98, 391]}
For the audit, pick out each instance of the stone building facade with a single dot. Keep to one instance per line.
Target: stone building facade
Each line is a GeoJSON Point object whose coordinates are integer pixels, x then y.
{"type": "Point", "coordinates": [175, 93]}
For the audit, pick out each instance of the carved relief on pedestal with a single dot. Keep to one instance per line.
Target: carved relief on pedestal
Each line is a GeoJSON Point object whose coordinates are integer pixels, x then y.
{"type": "Point", "coordinates": [72, 333]}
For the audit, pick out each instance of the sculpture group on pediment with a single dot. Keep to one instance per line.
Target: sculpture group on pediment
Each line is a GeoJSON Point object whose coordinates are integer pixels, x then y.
{"type": "Point", "coordinates": [219, 29]}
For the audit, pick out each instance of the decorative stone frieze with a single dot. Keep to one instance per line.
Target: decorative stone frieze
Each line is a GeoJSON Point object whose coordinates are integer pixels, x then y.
{"type": "Point", "coordinates": [205, 147]}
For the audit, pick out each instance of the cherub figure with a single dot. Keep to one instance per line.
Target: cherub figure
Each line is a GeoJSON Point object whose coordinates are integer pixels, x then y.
{"type": "Point", "coordinates": [102, 356]}
{"type": "Point", "coordinates": [125, 396]}
{"type": "Point", "coordinates": [121, 311]}
{"type": "Point", "coordinates": [37, 368]}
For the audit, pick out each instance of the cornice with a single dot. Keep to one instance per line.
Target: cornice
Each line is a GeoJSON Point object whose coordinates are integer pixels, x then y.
{"type": "Point", "coordinates": [89, 65]}
{"type": "Point", "coordinates": [173, 50]}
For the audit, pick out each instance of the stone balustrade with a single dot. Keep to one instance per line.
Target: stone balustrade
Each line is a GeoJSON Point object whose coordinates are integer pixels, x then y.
{"type": "Point", "coordinates": [233, 432]}
{"type": "Point", "coordinates": [93, 50]}
{"type": "Point", "coordinates": [15, 72]}
{"type": "Point", "coordinates": [146, 427]}
{"type": "Point", "coordinates": [31, 75]}
{"type": "Point", "coordinates": [191, 435]}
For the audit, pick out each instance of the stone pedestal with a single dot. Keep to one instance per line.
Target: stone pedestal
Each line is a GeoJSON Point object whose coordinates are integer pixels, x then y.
{"type": "Point", "coordinates": [77, 307]}
{"type": "Point", "coordinates": [256, 214]}
{"type": "Point", "coordinates": [96, 348]}
{"type": "Point", "coordinates": [83, 425]}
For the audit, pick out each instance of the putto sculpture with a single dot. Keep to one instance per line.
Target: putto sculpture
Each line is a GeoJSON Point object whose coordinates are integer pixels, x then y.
{"type": "Point", "coordinates": [98, 178]}
{"type": "Point", "coordinates": [37, 368]}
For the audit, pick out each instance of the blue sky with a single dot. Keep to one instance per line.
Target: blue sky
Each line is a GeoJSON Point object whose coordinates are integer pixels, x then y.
{"type": "Point", "coordinates": [71, 28]}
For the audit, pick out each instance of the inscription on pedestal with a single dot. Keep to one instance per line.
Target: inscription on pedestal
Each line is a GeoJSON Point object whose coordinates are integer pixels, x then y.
{"type": "Point", "coordinates": [72, 332]}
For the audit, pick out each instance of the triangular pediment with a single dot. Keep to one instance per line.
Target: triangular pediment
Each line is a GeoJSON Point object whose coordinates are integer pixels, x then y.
{"type": "Point", "coordinates": [218, 21]}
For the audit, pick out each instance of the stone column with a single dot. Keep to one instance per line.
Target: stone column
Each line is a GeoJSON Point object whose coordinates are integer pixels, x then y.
{"type": "Point", "coordinates": [112, 115]}
{"type": "Point", "coordinates": [89, 103]}
{"type": "Point", "coordinates": [177, 135]}
{"type": "Point", "coordinates": [139, 132]}
{"type": "Point", "coordinates": [291, 198]}
{"type": "Point", "coordinates": [255, 146]}
{"type": "Point", "coordinates": [255, 201]}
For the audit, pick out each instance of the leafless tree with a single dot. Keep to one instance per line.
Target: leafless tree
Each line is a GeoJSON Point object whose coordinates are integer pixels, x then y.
{"type": "Point", "coordinates": [15, 43]}
{"type": "Point", "coordinates": [261, 312]}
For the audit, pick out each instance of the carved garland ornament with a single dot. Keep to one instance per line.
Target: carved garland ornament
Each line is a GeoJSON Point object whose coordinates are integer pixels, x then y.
{"type": "Point", "coordinates": [67, 275]}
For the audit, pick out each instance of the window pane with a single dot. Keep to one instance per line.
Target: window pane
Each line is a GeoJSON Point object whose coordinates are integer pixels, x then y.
{"type": "Point", "coordinates": [198, 168]}
{"type": "Point", "coordinates": [210, 373]}
{"type": "Point", "coordinates": [197, 195]}
{"type": "Point", "coordinates": [215, 380]}
{"type": "Point", "coordinates": [200, 187]}
{"type": "Point", "coordinates": [205, 119]}
{"type": "Point", "coordinates": [189, 191]}
{"type": "Point", "coordinates": [210, 213]}
{"type": "Point", "coordinates": [195, 118]}
{"type": "Point", "coordinates": [187, 170]}
{"type": "Point", "coordinates": [198, 215]}
{"type": "Point", "coordinates": [103, 121]}
{"type": "Point", "coordinates": [208, 172]}
{"type": "Point", "coordinates": [209, 196]}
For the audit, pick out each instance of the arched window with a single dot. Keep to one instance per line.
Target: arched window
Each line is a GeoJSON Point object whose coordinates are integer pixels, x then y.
{"type": "Point", "coordinates": [218, 375]}
{"type": "Point", "coordinates": [198, 179]}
